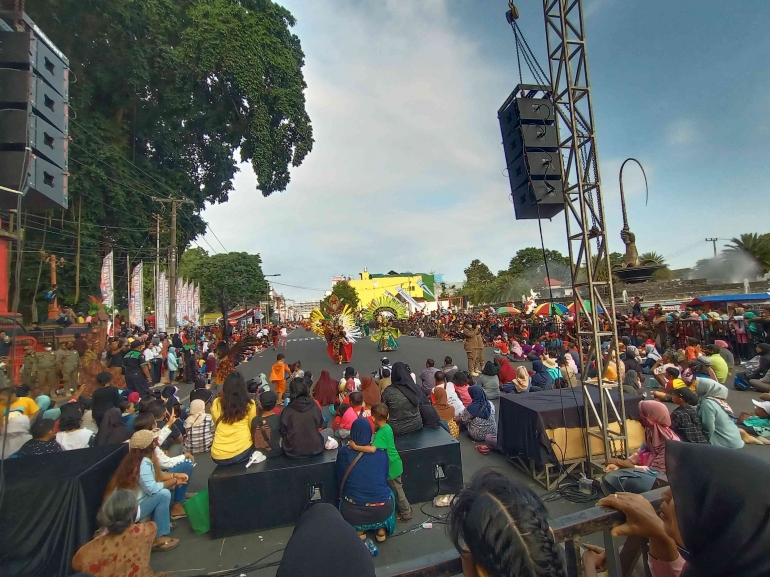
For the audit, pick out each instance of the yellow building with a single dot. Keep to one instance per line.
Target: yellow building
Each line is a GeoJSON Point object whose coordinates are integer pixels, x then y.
{"type": "Point", "coordinates": [372, 286]}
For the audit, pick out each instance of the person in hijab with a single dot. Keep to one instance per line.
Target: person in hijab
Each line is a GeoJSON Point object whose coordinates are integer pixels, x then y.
{"type": "Point", "coordinates": [638, 473]}
{"type": "Point", "coordinates": [541, 380]}
{"type": "Point", "coordinates": [199, 429]}
{"type": "Point", "coordinates": [113, 430]}
{"type": "Point", "coordinates": [716, 415]}
{"type": "Point", "coordinates": [300, 422]}
{"type": "Point", "coordinates": [479, 416]}
{"type": "Point", "coordinates": [633, 360]}
{"type": "Point", "coordinates": [526, 350]}
{"type": "Point", "coordinates": [631, 383]}
{"type": "Point", "coordinates": [321, 529]}
{"type": "Point", "coordinates": [489, 381]}
{"type": "Point", "coordinates": [370, 391]}
{"type": "Point", "coordinates": [652, 356]}
{"type": "Point", "coordinates": [521, 383]}
{"type": "Point", "coordinates": [712, 510]}
{"type": "Point", "coordinates": [15, 433]}
{"type": "Point", "coordinates": [46, 412]}
{"type": "Point", "coordinates": [169, 398]}
{"type": "Point", "coordinates": [366, 501]}
{"type": "Point", "coordinates": [403, 398]}
{"type": "Point", "coordinates": [506, 373]}
{"type": "Point", "coordinates": [446, 412]}
{"type": "Point", "coordinates": [517, 351]}
{"type": "Point", "coordinates": [724, 351]}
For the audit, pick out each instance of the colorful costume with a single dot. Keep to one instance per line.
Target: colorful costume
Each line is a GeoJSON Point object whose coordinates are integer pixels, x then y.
{"type": "Point", "coordinates": [385, 309]}
{"type": "Point", "coordinates": [335, 323]}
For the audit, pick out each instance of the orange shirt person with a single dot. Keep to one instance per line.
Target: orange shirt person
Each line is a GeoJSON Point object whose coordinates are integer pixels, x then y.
{"type": "Point", "coordinates": [278, 377]}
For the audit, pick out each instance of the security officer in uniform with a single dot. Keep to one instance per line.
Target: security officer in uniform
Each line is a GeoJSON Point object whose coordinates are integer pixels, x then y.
{"type": "Point", "coordinates": [46, 372]}
{"type": "Point", "coordinates": [136, 369]}
{"type": "Point", "coordinates": [469, 334]}
{"type": "Point", "coordinates": [29, 368]}
{"type": "Point", "coordinates": [70, 367]}
{"type": "Point", "coordinates": [479, 351]}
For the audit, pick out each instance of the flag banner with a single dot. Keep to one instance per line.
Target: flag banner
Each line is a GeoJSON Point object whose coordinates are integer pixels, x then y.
{"type": "Point", "coordinates": [197, 305]}
{"type": "Point", "coordinates": [390, 294]}
{"type": "Point", "coordinates": [161, 303]}
{"type": "Point", "coordinates": [425, 288]}
{"type": "Point", "coordinates": [106, 283]}
{"type": "Point", "coordinates": [408, 298]}
{"type": "Point", "coordinates": [178, 311]}
{"type": "Point", "coordinates": [136, 300]}
{"type": "Point", "coordinates": [191, 302]}
{"type": "Point", "coordinates": [183, 305]}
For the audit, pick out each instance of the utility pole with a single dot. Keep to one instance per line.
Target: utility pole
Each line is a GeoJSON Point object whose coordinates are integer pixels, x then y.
{"type": "Point", "coordinates": [77, 253]}
{"type": "Point", "coordinates": [714, 242]}
{"type": "Point", "coordinates": [172, 259]}
{"type": "Point", "coordinates": [157, 266]}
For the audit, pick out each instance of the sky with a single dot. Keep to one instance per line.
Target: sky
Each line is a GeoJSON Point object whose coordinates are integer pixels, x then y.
{"type": "Point", "coordinates": [407, 171]}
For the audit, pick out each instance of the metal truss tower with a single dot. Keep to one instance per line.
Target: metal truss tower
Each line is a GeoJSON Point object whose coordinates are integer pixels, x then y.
{"type": "Point", "coordinates": [586, 228]}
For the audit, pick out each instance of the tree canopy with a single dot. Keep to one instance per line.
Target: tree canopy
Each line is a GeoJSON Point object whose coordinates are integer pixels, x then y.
{"type": "Point", "coordinates": [163, 94]}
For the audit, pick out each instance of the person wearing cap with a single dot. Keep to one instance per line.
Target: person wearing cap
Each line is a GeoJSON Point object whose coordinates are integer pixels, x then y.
{"type": "Point", "coordinates": [151, 486]}
{"type": "Point", "coordinates": [755, 429]}
{"type": "Point", "coordinates": [385, 364]}
{"type": "Point", "coordinates": [716, 362]}
{"type": "Point", "coordinates": [685, 420]}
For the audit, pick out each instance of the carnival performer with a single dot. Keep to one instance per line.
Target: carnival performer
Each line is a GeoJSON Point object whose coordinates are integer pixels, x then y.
{"type": "Point", "coordinates": [335, 322]}
{"type": "Point", "coordinates": [385, 310]}
{"type": "Point", "coordinates": [227, 355]}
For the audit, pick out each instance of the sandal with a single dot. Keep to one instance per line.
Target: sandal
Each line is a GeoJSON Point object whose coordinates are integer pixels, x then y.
{"type": "Point", "coordinates": [381, 536]}
{"type": "Point", "coordinates": [167, 545]}
{"type": "Point", "coordinates": [362, 535]}
{"type": "Point", "coordinates": [173, 525]}
{"type": "Point", "coordinates": [175, 517]}
{"type": "Point", "coordinates": [483, 449]}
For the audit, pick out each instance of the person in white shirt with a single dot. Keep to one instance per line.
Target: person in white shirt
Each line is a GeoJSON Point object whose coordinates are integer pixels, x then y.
{"type": "Point", "coordinates": [284, 337]}
{"type": "Point", "coordinates": [451, 394]}
{"type": "Point", "coordinates": [72, 434]}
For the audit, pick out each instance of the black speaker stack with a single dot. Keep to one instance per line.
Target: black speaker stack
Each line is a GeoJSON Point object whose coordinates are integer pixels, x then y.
{"type": "Point", "coordinates": [34, 96]}
{"type": "Point", "coordinates": [531, 144]}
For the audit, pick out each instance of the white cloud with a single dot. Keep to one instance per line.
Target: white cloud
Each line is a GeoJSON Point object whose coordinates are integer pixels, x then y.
{"type": "Point", "coordinates": [406, 171]}
{"type": "Point", "coordinates": [682, 132]}
{"type": "Point", "coordinates": [591, 7]}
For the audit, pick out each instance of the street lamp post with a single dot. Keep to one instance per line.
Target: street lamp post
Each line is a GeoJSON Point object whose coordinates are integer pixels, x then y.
{"type": "Point", "coordinates": [268, 296]}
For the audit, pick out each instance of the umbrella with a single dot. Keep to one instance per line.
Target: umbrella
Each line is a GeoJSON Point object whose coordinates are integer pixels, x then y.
{"type": "Point", "coordinates": [508, 311]}
{"type": "Point", "coordinates": [586, 306]}
{"type": "Point", "coordinates": [555, 308]}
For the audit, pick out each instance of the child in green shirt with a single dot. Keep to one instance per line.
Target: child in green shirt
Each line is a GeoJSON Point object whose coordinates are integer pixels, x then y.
{"type": "Point", "coordinates": [385, 440]}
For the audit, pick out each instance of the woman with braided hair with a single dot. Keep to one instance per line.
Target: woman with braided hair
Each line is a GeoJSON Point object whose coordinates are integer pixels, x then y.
{"type": "Point", "coordinates": [500, 528]}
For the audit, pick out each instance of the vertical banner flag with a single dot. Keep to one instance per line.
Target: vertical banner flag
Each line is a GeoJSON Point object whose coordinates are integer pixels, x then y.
{"type": "Point", "coordinates": [106, 282]}
{"type": "Point", "coordinates": [161, 303]}
{"type": "Point", "coordinates": [197, 305]}
{"type": "Point", "coordinates": [178, 311]}
{"type": "Point", "coordinates": [408, 298]}
{"type": "Point", "coordinates": [191, 302]}
{"type": "Point", "coordinates": [425, 288]}
{"type": "Point", "coordinates": [136, 300]}
{"type": "Point", "coordinates": [182, 304]}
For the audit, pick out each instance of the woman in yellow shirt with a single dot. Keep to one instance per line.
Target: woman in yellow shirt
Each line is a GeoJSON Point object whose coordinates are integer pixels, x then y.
{"type": "Point", "coordinates": [232, 414]}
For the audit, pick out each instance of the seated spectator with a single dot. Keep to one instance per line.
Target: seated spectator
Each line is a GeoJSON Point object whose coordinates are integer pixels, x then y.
{"type": "Point", "coordinates": [366, 501]}
{"type": "Point", "coordinates": [202, 392]}
{"type": "Point", "coordinates": [541, 379]}
{"type": "Point", "coordinates": [266, 425]}
{"type": "Point", "coordinates": [339, 410]}
{"type": "Point", "coordinates": [139, 474]}
{"type": "Point", "coordinates": [233, 413]}
{"type": "Point", "coordinates": [520, 383]}
{"type": "Point", "coordinates": [121, 547]}
{"type": "Point", "coordinates": [685, 421]}
{"type": "Point", "coordinates": [712, 504]}
{"type": "Point", "coordinates": [569, 376]}
{"type": "Point", "coordinates": [693, 350]}
{"type": "Point", "coordinates": [352, 413]}
{"type": "Point", "coordinates": [325, 393]}
{"type": "Point", "coordinates": [42, 441]}
{"type": "Point", "coordinates": [449, 369]}
{"type": "Point", "coordinates": [321, 529]}
{"type": "Point", "coordinates": [651, 356]}
{"type": "Point", "coordinates": [105, 397]}
{"type": "Point", "coordinates": [755, 429]}
{"type": "Point", "coordinates": [501, 528]}
{"type": "Point", "coordinates": [128, 414]}
{"type": "Point", "coordinates": [717, 363]}
{"type": "Point", "coordinates": [47, 408]}
{"type": "Point", "coordinates": [552, 367]}
{"type": "Point", "coordinates": [301, 422]}
{"type": "Point", "coordinates": [113, 430]}
{"type": "Point", "coordinates": [427, 377]}
{"type": "Point", "coordinates": [403, 399]}
{"type": "Point", "coordinates": [168, 421]}
{"type": "Point", "coordinates": [637, 474]}
{"type": "Point", "coordinates": [489, 380]}
{"type": "Point", "coordinates": [72, 434]}
{"type": "Point", "coordinates": [445, 411]}
{"type": "Point", "coordinates": [462, 382]}
{"type": "Point", "coordinates": [673, 381]}
{"type": "Point", "coordinates": [724, 351]}
{"type": "Point", "coordinates": [716, 415]}
{"type": "Point", "coordinates": [199, 429]}
{"type": "Point", "coordinates": [385, 380]}
{"type": "Point", "coordinates": [350, 380]}
{"type": "Point", "coordinates": [633, 360]}
{"type": "Point", "coordinates": [371, 392]}
{"type": "Point", "coordinates": [24, 404]}
{"type": "Point", "coordinates": [452, 399]}
{"type": "Point", "coordinates": [479, 415]}
{"type": "Point", "coordinates": [15, 433]}
{"type": "Point", "coordinates": [759, 378]}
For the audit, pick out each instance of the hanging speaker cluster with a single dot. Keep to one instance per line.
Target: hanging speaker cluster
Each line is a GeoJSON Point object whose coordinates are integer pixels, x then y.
{"type": "Point", "coordinates": [531, 144]}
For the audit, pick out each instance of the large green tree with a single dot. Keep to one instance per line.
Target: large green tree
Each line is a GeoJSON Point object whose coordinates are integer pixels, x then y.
{"type": "Point", "coordinates": [230, 279]}
{"type": "Point", "coordinates": [752, 245]}
{"type": "Point", "coordinates": [530, 260]}
{"type": "Point", "coordinates": [163, 95]}
{"type": "Point", "coordinates": [346, 293]}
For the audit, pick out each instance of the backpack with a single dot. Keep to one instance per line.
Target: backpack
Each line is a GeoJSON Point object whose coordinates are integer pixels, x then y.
{"type": "Point", "coordinates": [262, 434]}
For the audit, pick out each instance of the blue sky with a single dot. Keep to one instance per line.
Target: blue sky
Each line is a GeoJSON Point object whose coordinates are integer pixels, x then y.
{"type": "Point", "coordinates": [407, 167]}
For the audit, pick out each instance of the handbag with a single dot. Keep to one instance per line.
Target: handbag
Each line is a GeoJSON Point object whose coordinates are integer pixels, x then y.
{"type": "Point", "coordinates": [197, 510]}
{"type": "Point", "coordinates": [350, 468]}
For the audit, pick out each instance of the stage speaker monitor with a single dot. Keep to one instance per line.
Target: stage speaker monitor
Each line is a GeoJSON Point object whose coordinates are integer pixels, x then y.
{"type": "Point", "coordinates": [531, 195]}
{"type": "Point", "coordinates": [34, 117]}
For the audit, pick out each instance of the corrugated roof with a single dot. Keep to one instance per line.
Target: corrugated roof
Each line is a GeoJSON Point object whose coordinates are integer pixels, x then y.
{"type": "Point", "coordinates": [734, 298]}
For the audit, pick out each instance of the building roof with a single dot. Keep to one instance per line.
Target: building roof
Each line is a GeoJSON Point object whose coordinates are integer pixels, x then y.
{"type": "Point", "coordinates": [553, 282]}
{"type": "Point", "coordinates": [393, 273]}
{"type": "Point", "coordinates": [734, 298]}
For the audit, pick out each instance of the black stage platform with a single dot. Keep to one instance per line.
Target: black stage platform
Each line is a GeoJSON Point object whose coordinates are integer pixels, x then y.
{"type": "Point", "coordinates": [274, 492]}
{"type": "Point", "coordinates": [524, 418]}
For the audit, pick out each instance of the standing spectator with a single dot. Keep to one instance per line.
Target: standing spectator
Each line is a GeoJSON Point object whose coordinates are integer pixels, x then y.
{"type": "Point", "coordinates": [173, 364]}
{"type": "Point", "coordinates": [284, 337]}
{"type": "Point", "coordinates": [105, 397]}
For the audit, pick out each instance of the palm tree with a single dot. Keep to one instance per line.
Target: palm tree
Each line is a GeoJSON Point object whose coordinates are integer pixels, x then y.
{"type": "Point", "coordinates": [756, 246]}
{"type": "Point", "coordinates": [650, 258]}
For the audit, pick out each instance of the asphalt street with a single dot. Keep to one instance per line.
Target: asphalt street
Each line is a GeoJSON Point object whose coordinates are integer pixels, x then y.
{"type": "Point", "coordinates": [200, 554]}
